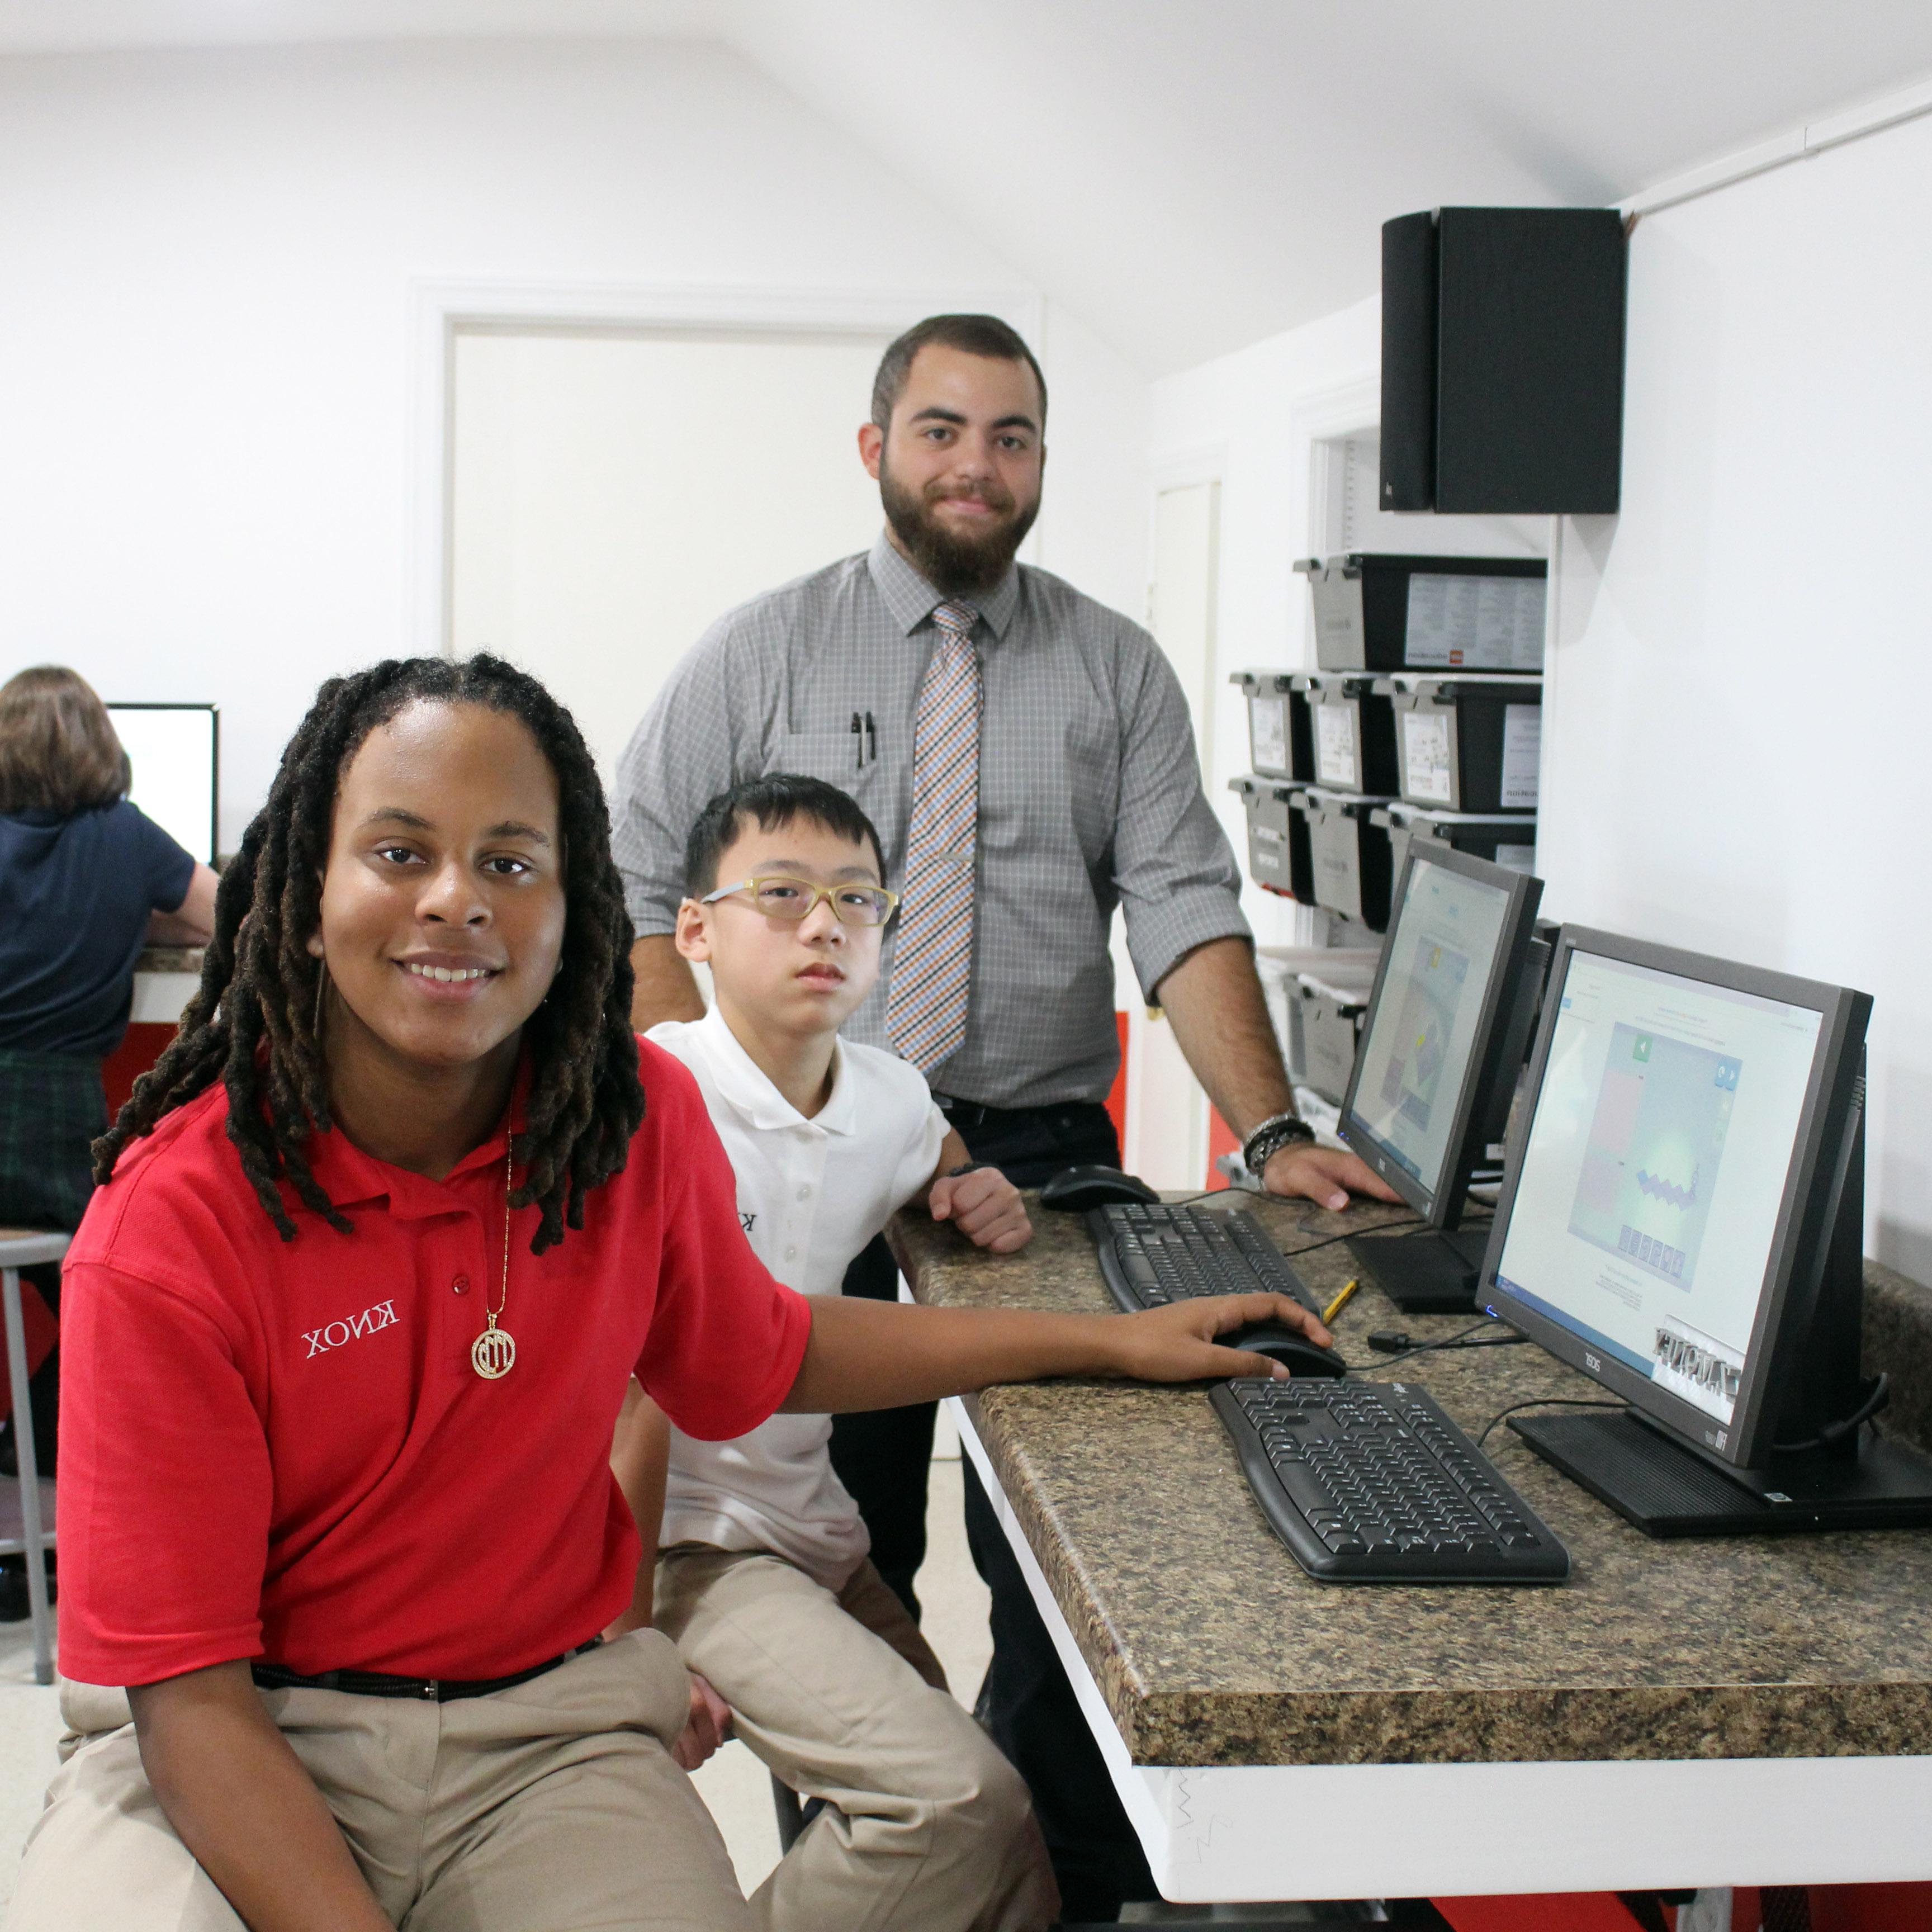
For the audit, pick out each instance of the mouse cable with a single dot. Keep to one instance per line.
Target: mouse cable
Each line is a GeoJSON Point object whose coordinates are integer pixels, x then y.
{"type": "Point", "coordinates": [1546, 1402]}
{"type": "Point", "coordinates": [1398, 1342]}
{"type": "Point", "coordinates": [1458, 1340]}
{"type": "Point", "coordinates": [1300, 1227]}
{"type": "Point", "coordinates": [1205, 1194]}
{"type": "Point", "coordinates": [1351, 1234]}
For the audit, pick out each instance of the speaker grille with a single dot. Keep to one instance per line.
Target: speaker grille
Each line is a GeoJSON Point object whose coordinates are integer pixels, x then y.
{"type": "Point", "coordinates": [1529, 397]}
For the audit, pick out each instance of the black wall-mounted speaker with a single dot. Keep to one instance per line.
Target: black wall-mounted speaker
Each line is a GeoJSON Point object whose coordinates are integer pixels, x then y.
{"type": "Point", "coordinates": [1503, 360]}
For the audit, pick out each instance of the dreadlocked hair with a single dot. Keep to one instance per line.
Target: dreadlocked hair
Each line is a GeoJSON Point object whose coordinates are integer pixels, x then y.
{"type": "Point", "coordinates": [260, 985]}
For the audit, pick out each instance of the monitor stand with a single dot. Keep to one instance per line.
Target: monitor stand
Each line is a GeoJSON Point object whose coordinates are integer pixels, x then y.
{"type": "Point", "coordinates": [1426, 1273]}
{"type": "Point", "coordinates": [1668, 1489]}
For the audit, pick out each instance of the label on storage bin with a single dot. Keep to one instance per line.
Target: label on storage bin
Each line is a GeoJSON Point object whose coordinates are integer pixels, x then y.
{"type": "Point", "coordinates": [1476, 623]}
{"type": "Point", "coordinates": [1522, 743]}
{"type": "Point", "coordinates": [1516, 858]}
{"type": "Point", "coordinates": [1335, 746]}
{"type": "Point", "coordinates": [1425, 754]}
{"type": "Point", "coordinates": [1267, 733]}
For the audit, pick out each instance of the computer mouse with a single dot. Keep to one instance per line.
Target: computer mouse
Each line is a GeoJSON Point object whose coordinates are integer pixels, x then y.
{"type": "Point", "coordinates": [1074, 1190]}
{"type": "Point", "coordinates": [1298, 1353]}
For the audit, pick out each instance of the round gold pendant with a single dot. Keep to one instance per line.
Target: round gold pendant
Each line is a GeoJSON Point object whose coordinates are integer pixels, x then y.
{"type": "Point", "coordinates": [493, 1354]}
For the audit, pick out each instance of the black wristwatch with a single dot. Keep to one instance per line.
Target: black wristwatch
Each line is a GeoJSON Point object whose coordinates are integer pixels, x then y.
{"type": "Point", "coordinates": [1277, 1132]}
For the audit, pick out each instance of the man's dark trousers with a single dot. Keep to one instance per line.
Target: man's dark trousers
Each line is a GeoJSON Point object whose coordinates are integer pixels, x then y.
{"type": "Point", "coordinates": [1026, 1704]}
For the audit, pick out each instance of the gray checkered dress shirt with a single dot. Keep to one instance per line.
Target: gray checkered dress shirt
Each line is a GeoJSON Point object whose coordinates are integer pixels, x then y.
{"type": "Point", "coordinates": [1090, 796]}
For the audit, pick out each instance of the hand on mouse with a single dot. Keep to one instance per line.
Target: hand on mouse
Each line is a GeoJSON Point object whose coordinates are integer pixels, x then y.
{"type": "Point", "coordinates": [985, 1206]}
{"type": "Point", "coordinates": [1176, 1344]}
{"type": "Point", "coordinates": [1324, 1175]}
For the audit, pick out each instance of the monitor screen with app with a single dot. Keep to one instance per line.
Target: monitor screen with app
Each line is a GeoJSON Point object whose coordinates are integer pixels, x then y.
{"type": "Point", "coordinates": [1446, 946]}
{"type": "Point", "coordinates": [1655, 1169]}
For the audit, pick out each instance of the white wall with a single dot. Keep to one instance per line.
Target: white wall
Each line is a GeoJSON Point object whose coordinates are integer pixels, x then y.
{"type": "Point", "coordinates": [611, 493]}
{"type": "Point", "coordinates": [208, 477]}
{"type": "Point", "coordinates": [1244, 418]}
{"type": "Point", "coordinates": [1735, 744]}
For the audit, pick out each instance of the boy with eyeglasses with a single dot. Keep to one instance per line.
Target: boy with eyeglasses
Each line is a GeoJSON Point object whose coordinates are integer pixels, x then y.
{"type": "Point", "coordinates": [764, 1583]}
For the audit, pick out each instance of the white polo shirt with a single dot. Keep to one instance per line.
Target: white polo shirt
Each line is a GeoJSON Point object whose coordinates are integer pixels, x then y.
{"type": "Point", "coordinates": [811, 1194]}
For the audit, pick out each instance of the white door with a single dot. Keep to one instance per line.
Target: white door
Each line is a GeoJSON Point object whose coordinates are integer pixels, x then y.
{"type": "Point", "coordinates": [613, 493]}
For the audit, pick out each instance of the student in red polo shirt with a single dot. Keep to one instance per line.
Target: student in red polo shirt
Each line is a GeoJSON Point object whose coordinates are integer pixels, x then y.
{"type": "Point", "coordinates": [347, 1329]}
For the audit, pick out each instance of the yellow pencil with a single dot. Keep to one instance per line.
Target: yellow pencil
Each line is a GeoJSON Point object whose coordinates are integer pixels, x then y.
{"type": "Point", "coordinates": [1340, 1302]}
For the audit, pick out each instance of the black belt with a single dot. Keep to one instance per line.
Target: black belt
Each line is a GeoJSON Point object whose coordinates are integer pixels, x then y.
{"type": "Point", "coordinates": [976, 1114]}
{"type": "Point", "coordinates": [379, 1683]}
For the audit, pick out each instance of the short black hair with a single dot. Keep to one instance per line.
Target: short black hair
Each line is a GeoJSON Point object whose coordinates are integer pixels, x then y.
{"type": "Point", "coordinates": [972, 334]}
{"type": "Point", "coordinates": [774, 800]}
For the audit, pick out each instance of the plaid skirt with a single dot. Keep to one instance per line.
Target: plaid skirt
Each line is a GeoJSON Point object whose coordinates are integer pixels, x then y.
{"type": "Point", "coordinates": [52, 1107]}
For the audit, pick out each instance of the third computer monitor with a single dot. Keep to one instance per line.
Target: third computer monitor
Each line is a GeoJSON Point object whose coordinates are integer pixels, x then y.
{"type": "Point", "coordinates": [1664, 1208]}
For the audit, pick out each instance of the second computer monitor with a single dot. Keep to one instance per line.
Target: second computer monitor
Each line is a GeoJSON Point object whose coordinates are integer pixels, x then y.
{"type": "Point", "coordinates": [1444, 1016]}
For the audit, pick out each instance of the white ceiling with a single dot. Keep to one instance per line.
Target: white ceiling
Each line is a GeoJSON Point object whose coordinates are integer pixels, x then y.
{"type": "Point", "coordinates": [1190, 175]}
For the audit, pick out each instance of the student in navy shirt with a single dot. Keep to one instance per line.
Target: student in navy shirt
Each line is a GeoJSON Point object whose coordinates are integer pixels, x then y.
{"type": "Point", "coordinates": [85, 882]}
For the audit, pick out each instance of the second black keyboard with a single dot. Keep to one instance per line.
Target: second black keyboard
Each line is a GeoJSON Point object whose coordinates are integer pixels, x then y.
{"type": "Point", "coordinates": [1371, 1483]}
{"type": "Point", "coordinates": [1151, 1255]}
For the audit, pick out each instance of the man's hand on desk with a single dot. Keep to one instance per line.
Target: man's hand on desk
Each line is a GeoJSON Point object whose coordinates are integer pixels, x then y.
{"type": "Point", "coordinates": [1221, 1021]}
{"type": "Point", "coordinates": [1176, 1343]}
{"type": "Point", "coordinates": [1325, 1175]}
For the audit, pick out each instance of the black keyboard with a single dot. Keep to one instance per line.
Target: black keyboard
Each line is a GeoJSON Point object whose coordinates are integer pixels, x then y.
{"type": "Point", "coordinates": [1371, 1482]}
{"type": "Point", "coordinates": [1154, 1254]}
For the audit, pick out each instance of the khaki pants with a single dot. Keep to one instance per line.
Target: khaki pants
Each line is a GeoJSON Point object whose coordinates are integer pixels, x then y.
{"type": "Point", "coordinates": [550, 1807]}
{"type": "Point", "coordinates": [927, 1827]}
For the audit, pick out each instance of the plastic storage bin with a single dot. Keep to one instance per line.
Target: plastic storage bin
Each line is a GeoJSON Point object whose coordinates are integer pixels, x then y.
{"type": "Point", "coordinates": [1279, 858]}
{"type": "Point", "coordinates": [1352, 732]}
{"type": "Point", "coordinates": [1349, 854]}
{"type": "Point", "coordinates": [1376, 611]}
{"type": "Point", "coordinates": [1278, 967]}
{"type": "Point", "coordinates": [1324, 1026]}
{"type": "Point", "coordinates": [1503, 840]}
{"type": "Point", "coordinates": [1470, 744]}
{"type": "Point", "coordinates": [1279, 743]}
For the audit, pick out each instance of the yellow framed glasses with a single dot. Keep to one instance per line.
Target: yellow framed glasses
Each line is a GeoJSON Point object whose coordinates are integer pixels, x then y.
{"type": "Point", "coordinates": [778, 897]}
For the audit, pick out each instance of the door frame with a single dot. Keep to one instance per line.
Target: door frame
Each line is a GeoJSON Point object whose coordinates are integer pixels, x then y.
{"type": "Point", "coordinates": [440, 310]}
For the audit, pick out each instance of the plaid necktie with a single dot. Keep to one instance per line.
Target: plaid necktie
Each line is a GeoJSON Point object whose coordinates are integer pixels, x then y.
{"type": "Point", "coordinates": [932, 961]}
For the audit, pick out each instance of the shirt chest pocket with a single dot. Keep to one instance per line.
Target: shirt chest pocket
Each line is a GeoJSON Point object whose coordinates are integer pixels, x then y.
{"type": "Point", "coordinates": [846, 758]}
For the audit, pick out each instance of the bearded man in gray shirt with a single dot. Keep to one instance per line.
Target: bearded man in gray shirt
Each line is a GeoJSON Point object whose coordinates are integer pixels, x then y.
{"type": "Point", "coordinates": [1026, 755]}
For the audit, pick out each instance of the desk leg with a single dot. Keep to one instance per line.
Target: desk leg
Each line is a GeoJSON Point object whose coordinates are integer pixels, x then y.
{"type": "Point", "coordinates": [1140, 1789]}
{"type": "Point", "coordinates": [30, 1478]}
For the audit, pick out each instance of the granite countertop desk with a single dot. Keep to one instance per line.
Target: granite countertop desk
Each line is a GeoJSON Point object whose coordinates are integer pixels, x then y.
{"type": "Point", "coordinates": [1725, 1711]}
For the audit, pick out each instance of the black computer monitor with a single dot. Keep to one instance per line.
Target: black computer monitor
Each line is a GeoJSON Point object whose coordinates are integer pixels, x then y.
{"type": "Point", "coordinates": [175, 753]}
{"type": "Point", "coordinates": [1443, 1037]}
{"type": "Point", "coordinates": [1681, 1219]}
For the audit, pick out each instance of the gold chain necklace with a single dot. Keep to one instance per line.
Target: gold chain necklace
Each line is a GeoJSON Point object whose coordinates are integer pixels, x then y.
{"type": "Point", "coordinates": [493, 1353]}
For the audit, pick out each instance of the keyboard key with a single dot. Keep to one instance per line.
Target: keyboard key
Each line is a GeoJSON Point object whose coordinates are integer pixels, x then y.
{"type": "Point", "coordinates": [1301, 1483]}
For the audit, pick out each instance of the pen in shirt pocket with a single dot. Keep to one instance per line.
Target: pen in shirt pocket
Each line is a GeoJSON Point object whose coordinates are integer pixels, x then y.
{"type": "Point", "coordinates": [858, 743]}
